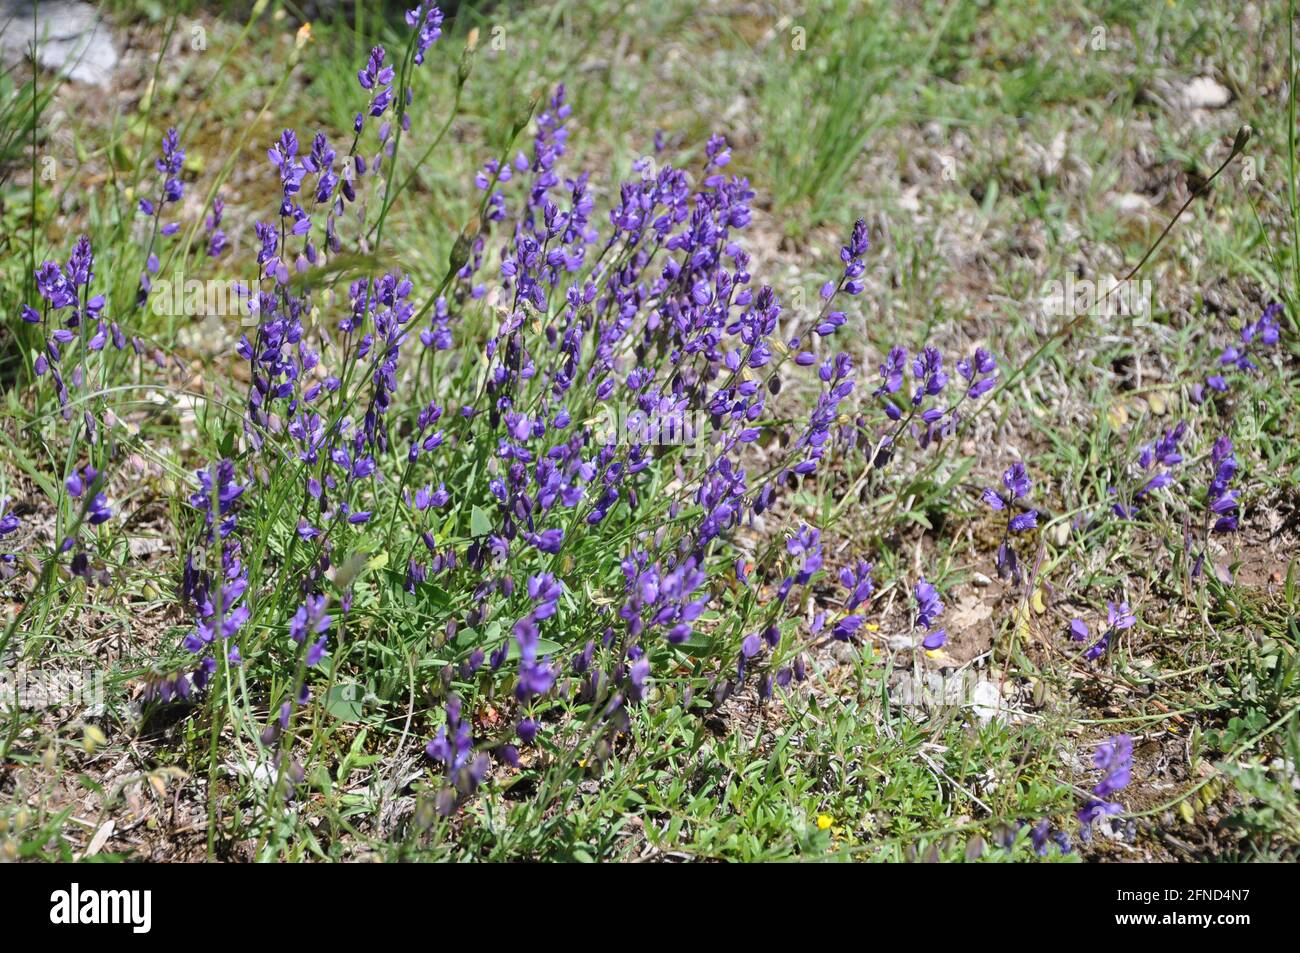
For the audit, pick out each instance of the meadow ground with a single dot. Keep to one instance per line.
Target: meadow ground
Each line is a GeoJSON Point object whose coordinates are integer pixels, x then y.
{"type": "Point", "coordinates": [1006, 159]}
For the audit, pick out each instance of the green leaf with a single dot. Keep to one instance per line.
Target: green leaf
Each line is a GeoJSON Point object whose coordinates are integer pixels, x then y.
{"type": "Point", "coordinates": [344, 702]}
{"type": "Point", "coordinates": [544, 647]}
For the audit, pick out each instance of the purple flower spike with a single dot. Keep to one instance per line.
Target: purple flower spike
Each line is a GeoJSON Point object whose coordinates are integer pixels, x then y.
{"type": "Point", "coordinates": [1016, 480]}
{"type": "Point", "coordinates": [980, 373]}
{"type": "Point", "coordinates": [928, 372]}
{"type": "Point", "coordinates": [1115, 760]}
{"type": "Point", "coordinates": [928, 609]}
{"type": "Point", "coordinates": [1221, 499]}
{"type": "Point", "coordinates": [857, 580]}
{"type": "Point", "coordinates": [310, 619]}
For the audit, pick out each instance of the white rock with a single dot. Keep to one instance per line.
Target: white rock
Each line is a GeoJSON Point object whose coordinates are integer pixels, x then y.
{"type": "Point", "coordinates": [1205, 93]}
{"type": "Point", "coordinates": [1053, 155]}
{"type": "Point", "coordinates": [70, 39]}
{"type": "Point", "coordinates": [1131, 202]}
{"type": "Point", "coordinates": [1287, 771]}
{"type": "Point", "coordinates": [986, 702]}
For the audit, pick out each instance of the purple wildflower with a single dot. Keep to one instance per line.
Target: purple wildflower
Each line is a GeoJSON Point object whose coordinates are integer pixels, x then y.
{"type": "Point", "coordinates": [980, 373]}
{"type": "Point", "coordinates": [1042, 834]}
{"type": "Point", "coordinates": [807, 547]}
{"type": "Point", "coordinates": [891, 379]}
{"type": "Point", "coordinates": [1221, 500]}
{"type": "Point", "coordinates": [1114, 758]}
{"type": "Point", "coordinates": [1263, 333]}
{"type": "Point", "coordinates": [1118, 618]}
{"type": "Point", "coordinates": [928, 372]}
{"type": "Point", "coordinates": [311, 619]}
{"type": "Point", "coordinates": [846, 628]}
{"type": "Point", "coordinates": [1017, 485]}
{"type": "Point", "coordinates": [428, 18]}
{"type": "Point", "coordinates": [857, 580]}
{"type": "Point", "coordinates": [928, 609]}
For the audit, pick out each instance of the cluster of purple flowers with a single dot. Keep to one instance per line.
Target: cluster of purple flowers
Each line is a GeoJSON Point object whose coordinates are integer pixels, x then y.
{"type": "Point", "coordinates": [928, 609]}
{"type": "Point", "coordinates": [71, 314]}
{"type": "Point", "coordinates": [453, 746]}
{"type": "Point", "coordinates": [928, 377]}
{"type": "Point", "coordinates": [85, 483]}
{"type": "Point", "coordinates": [309, 621]}
{"type": "Point", "coordinates": [218, 243]}
{"type": "Point", "coordinates": [536, 674]}
{"type": "Point", "coordinates": [858, 582]}
{"type": "Point", "coordinates": [806, 547]}
{"type": "Point", "coordinates": [1221, 498]}
{"type": "Point", "coordinates": [292, 393]}
{"type": "Point", "coordinates": [1222, 506]}
{"type": "Point", "coordinates": [9, 524]}
{"type": "Point", "coordinates": [651, 310]}
{"type": "Point", "coordinates": [849, 283]}
{"type": "Point", "coordinates": [836, 373]}
{"type": "Point", "coordinates": [86, 486]}
{"type": "Point", "coordinates": [1017, 482]}
{"type": "Point", "coordinates": [1255, 335]}
{"type": "Point", "coordinates": [1156, 462]}
{"type": "Point", "coordinates": [377, 79]}
{"type": "Point", "coordinates": [1118, 618]}
{"type": "Point", "coordinates": [216, 593]}
{"type": "Point", "coordinates": [1019, 520]}
{"type": "Point", "coordinates": [1114, 758]}
{"type": "Point", "coordinates": [169, 165]}
{"type": "Point", "coordinates": [664, 599]}
{"type": "Point", "coordinates": [377, 76]}
{"type": "Point", "coordinates": [1042, 834]}
{"type": "Point", "coordinates": [979, 372]}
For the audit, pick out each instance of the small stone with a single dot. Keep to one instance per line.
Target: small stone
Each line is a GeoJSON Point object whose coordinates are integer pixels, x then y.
{"type": "Point", "coordinates": [980, 581]}
{"type": "Point", "coordinates": [1132, 203]}
{"type": "Point", "coordinates": [70, 38]}
{"type": "Point", "coordinates": [1205, 92]}
{"type": "Point", "coordinates": [843, 653]}
{"type": "Point", "coordinates": [986, 701]}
